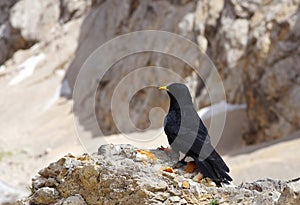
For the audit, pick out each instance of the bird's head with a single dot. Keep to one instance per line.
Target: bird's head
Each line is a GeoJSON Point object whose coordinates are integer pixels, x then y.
{"type": "Point", "coordinates": [178, 92]}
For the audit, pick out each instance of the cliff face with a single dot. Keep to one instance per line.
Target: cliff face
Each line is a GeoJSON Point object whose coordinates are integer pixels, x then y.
{"type": "Point", "coordinates": [269, 61]}
{"type": "Point", "coordinates": [10, 37]}
{"type": "Point", "coordinates": [254, 45]}
{"type": "Point", "coordinates": [123, 174]}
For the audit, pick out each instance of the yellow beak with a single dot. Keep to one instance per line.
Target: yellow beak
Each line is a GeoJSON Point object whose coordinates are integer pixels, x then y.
{"type": "Point", "coordinates": [163, 88]}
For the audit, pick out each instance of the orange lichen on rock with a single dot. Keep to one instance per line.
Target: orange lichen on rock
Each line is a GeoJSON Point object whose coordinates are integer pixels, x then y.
{"type": "Point", "coordinates": [198, 177]}
{"type": "Point", "coordinates": [168, 169]}
{"type": "Point", "coordinates": [185, 184]}
{"type": "Point", "coordinates": [84, 157]}
{"type": "Point", "coordinates": [149, 155]}
{"type": "Point", "coordinates": [190, 167]}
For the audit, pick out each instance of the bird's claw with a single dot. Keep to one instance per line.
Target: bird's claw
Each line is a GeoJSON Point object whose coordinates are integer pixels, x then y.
{"type": "Point", "coordinates": [167, 149]}
{"type": "Point", "coordinates": [179, 164]}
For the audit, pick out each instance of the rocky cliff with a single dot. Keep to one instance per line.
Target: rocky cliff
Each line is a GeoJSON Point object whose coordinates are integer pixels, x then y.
{"type": "Point", "coordinates": [254, 45]}
{"type": "Point", "coordinates": [123, 174]}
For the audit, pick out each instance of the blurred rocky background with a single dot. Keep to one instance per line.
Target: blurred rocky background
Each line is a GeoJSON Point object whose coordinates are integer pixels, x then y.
{"type": "Point", "coordinates": [43, 44]}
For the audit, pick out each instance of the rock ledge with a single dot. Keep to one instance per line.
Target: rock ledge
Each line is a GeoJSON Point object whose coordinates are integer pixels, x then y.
{"type": "Point", "coordinates": [123, 174]}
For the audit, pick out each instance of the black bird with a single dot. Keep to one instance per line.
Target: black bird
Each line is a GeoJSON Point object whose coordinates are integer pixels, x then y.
{"type": "Point", "coordinates": [187, 134]}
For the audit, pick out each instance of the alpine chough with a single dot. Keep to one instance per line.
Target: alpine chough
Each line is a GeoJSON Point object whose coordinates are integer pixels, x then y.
{"type": "Point", "coordinates": [187, 134]}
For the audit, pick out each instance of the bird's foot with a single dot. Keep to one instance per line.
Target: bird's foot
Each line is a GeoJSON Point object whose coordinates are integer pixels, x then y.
{"type": "Point", "coordinates": [190, 167]}
{"type": "Point", "coordinates": [167, 149]}
{"type": "Point", "coordinates": [180, 164]}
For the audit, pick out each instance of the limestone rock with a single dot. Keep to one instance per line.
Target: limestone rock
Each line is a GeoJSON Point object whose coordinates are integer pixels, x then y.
{"type": "Point", "coordinates": [73, 9]}
{"type": "Point", "coordinates": [117, 175]}
{"type": "Point", "coordinates": [39, 21]}
{"type": "Point", "coordinates": [45, 195]}
{"type": "Point", "coordinates": [74, 200]}
{"type": "Point", "coordinates": [290, 194]}
{"type": "Point", "coordinates": [35, 20]}
{"type": "Point", "coordinates": [272, 74]}
{"type": "Point", "coordinates": [255, 47]}
{"type": "Point", "coordinates": [128, 16]}
{"type": "Point", "coordinates": [10, 38]}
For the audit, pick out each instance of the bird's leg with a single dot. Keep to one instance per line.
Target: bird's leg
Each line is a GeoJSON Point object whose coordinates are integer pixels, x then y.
{"type": "Point", "coordinates": [180, 163]}
{"type": "Point", "coordinates": [183, 159]}
{"type": "Point", "coordinates": [167, 149]}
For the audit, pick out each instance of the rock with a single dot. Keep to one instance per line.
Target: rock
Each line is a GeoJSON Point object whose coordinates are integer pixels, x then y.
{"type": "Point", "coordinates": [172, 200]}
{"type": "Point", "coordinates": [249, 42]}
{"type": "Point", "coordinates": [45, 195]}
{"type": "Point", "coordinates": [115, 176]}
{"type": "Point", "coordinates": [290, 194]}
{"type": "Point", "coordinates": [128, 16]}
{"type": "Point", "coordinates": [73, 9]}
{"type": "Point", "coordinates": [253, 44]}
{"type": "Point", "coordinates": [74, 200]}
{"type": "Point", "coordinates": [23, 23]}
{"type": "Point", "coordinates": [272, 48]}
{"type": "Point", "coordinates": [185, 185]}
{"type": "Point", "coordinates": [255, 48]}
{"type": "Point", "coordinates": [40, 18]}
{"type": "Point", "coordinates": [10, 38]}
{"type": "Point", "coordinates": [5, 6]}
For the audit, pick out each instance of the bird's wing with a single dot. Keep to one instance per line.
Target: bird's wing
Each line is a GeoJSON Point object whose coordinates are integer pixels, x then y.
{"type": "Point", "coordinates": [205, 149]}
{"type": "Point", "coordinates": [217, 160]}
{"type": "Point", "coordinates": [171, 125]}
{"type": "Point", "coordinates": [187, 140]}
{"type": "Point", "coordinates": [190, 119]}
{"type": "Point", "coordinates": [200, 145]}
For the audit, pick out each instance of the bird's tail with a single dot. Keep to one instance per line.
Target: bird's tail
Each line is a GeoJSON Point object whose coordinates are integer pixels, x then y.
{"type": "Point", "coordinates": [214, 168]}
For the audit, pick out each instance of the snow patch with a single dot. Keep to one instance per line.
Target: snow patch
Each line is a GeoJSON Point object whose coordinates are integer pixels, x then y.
{"type": "Point", "coordinates": [2, 68]}
{"type": "Point", "coordinates": [27, 68]}
{"type": "Point", "coordinates": [53, 99]}
{"type": "Point", "coordinates": [60, 72]}
{"type": "Point", "coordinates": [218, 108]}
